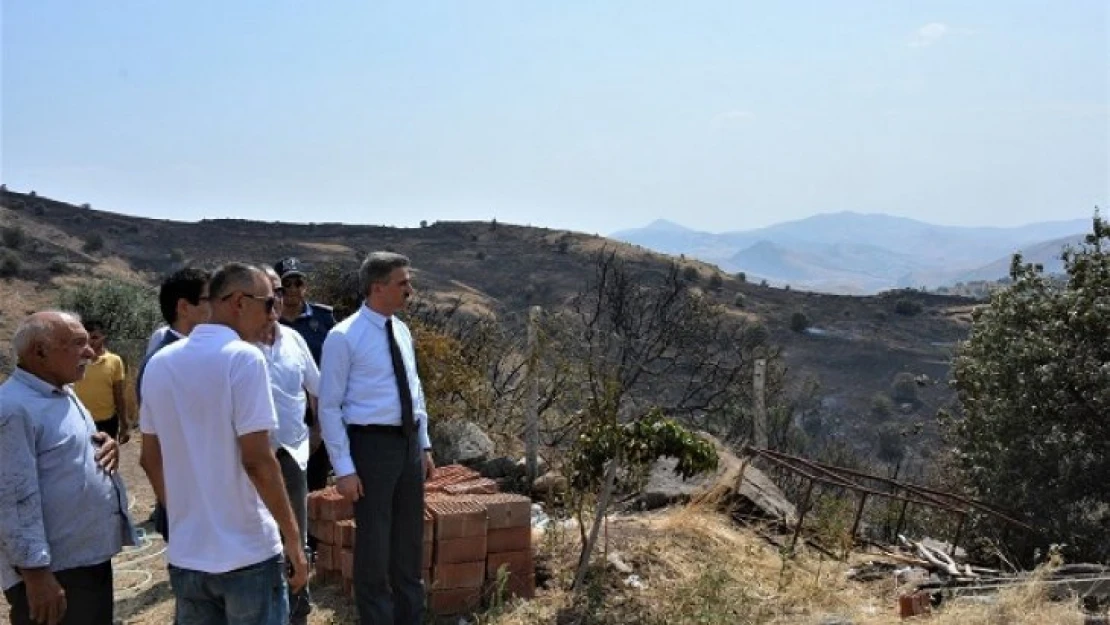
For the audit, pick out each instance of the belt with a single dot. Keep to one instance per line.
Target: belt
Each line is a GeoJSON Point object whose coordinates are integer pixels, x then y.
{"type": "Point", "coordinates": [395, 430]}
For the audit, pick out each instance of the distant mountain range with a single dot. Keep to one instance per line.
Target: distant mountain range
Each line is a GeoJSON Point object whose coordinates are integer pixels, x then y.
{"type": "Point", "coordinates": [865, 253]}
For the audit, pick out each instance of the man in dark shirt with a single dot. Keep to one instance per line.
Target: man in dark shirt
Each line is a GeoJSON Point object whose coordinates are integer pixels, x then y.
{"type": "Point", "coordinates": [312, 321]}
{"type": "Point", "coordinates": [183, 299]}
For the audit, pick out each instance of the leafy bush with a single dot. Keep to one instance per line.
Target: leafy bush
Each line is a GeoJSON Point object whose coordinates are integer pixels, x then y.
{"type": "Point", "coordinates": [738, 301]}
{"type": "Point", "coordinates": [799, 322]}
{"type": "Point", "coordinates": [94, 243]}
{"type": "Point", "coordinates": [906, 306]}
{"type": "Point", "coordinates": [10, 265]}
{"type": "Point", "coordinates": [882, 406]}
{"type": "Point", "coordinates": [741, 276]}
{"type": "Point", "coordinates": [904, 388]}
{"type": "Point", "coordinates": [716, 282]}
{"type": "Point", "coordinates": [690, 274]}
{"type": "Point", "coordinates": [14, 237]}
{"type": "Point", "coordinates": [129, 312]}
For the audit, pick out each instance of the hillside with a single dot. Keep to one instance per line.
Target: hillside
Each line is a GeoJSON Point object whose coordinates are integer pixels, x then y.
{"type": "Point", "coordinates": [849, 252]}
{"type": "Point", "coordinates": [853, 348]}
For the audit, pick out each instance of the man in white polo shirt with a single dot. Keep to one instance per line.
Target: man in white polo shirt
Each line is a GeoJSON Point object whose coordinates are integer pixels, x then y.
{"type": "Point", "coordinates": [294, 383]}
{"type": "Point", "coordinates": [206, 418]}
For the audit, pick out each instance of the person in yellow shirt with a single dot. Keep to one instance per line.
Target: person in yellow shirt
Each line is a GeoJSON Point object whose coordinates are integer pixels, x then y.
{"type": "Point", "coordinates": [101, 390]}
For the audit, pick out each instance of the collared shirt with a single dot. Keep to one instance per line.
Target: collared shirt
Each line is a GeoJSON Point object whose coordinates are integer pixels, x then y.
{"type": "Point", "coordinates": [199, 396]}
{"type": "Point", "coordinates": [357, 383]}
{"type": "Point", "coordinates": [169, 337]}
{"type": "Point", "coordinates": [58, 507]}
{"type": "Point", "coordinates": [313, 324]}
{"type": "Point", "coordinates": [292, 372]}
{"type": "Point", "coordinates": [97, 389]}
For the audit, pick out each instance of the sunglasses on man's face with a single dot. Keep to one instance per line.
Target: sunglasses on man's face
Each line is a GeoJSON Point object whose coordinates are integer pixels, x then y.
{"type": "Point", "coordinates": [293, 283]}
{"type": "Point", "coordinates": [268, 302]}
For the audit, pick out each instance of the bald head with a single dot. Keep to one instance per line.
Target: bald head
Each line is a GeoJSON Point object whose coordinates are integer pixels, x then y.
{"type": "Point", "coordinates": [53, 345]}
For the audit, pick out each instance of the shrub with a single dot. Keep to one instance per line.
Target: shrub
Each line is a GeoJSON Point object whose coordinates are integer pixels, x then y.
{"type": "Point", "coordinates": [741, 276]}
{"type": "Point", "coordinates": [10, 265]}
{"type": "Point", "coordinates": [129, 312]}
{"type": "Point", "coordinates": [716, 282]}
{"type": "Point", "coordinates": [907, 306]}
{"type": "Point", "coordinates": [882, 406]}
{"type": "Point", "coordinates": [480, 255]}
{"type": "Point", "coordinates": [14, 237]}
{"type": "Point", "coordinates": [423, 223]}
{"type": "Point", "coordinates": [563, 246]}
{"type": "Point", "coordinates": [799, 322]}
{"type": "Point", "coordinates": [690, 274]}
{"type": "Point", "coordinates": [58, 266]}
{"type": "Point", "coordinates": [738, 301]}
{"type": "Point", "coordinates": [904, 388]}
{"type": "Point", "coordinates": [94, 243]}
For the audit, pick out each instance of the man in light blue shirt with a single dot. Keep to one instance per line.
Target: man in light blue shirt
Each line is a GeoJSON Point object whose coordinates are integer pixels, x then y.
{"type": "Point", "coordinates": [375, 427]}
{"type": "Point", "coordinates": [63, 508]}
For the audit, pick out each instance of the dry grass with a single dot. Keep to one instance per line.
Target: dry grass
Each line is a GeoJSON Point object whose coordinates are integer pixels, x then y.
{"type": "Point", "coordinates": [698, 568]}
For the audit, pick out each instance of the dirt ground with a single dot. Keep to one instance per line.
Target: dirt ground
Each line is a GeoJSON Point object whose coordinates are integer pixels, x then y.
{"type": "Point", "coordinates": [142, 585]}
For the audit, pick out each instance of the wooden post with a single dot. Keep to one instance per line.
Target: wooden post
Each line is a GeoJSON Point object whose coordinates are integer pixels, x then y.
{"type": "Point", "coordinates": [859, 516]}
{"type": "Point", "coordinates": [801, 516]}
{"type": "Point", "coordinates": [759, 416]}
{"type": "Point", "coordinates": [959, 535]}
{"type": "Point", "coordinates": [532, 419]}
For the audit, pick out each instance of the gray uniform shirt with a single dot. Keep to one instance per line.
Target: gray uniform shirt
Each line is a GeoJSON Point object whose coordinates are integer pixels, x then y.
{"type": "Point", "coordinates": [58, 508]}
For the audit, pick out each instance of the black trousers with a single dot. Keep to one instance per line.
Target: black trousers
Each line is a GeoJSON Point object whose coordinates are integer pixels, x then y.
{"type": "Point", "coordinates": [110, 425]}
{"type": "Point", "coordinates": [89, 596]}
{"type": "Point", "coordinates": [389, 533]}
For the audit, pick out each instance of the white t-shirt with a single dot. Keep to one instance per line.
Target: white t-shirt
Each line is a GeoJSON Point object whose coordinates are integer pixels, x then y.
{"type": "Point", "coordinates": [292, 372]}
{"type": "Point", "coordinates": [200, 395]}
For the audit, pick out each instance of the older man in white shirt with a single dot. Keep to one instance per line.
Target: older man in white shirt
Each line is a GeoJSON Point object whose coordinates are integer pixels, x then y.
{"type": "Point", "coordinates": [294, 383]}
{"type": "Point", "coordinates": [375, 426]}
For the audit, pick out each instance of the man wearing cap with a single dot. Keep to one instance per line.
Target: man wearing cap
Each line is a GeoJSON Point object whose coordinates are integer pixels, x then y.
{"type": "Point", "coordinates": [312, 321]}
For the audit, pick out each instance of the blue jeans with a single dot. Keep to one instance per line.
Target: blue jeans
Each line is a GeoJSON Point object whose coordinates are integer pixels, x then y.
{"type": "Point", "coordinates": [252, 595]}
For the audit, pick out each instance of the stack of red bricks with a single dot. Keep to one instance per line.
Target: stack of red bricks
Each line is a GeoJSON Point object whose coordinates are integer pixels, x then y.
{"type": "Point", "coordinates": [477, 541]}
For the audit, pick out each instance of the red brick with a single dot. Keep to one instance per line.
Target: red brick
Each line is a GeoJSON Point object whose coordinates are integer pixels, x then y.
{"type": "Point", "coordinates": [458, 518]}
{"type": "Point", "coordinates": [347, 563]}
{"type": "Point", "coordinates": [334, 507]}
{"type": "Point", "coordinates": [450, 474]}
{"type": "Point", "coordinates": [325, 558]}
{"type": "Point", "coordinates": [454, 601]}
{"type": "Point", "coordinates": [345, 533]}
{"type": "Point", "coordinates": [458, 575]}
{"type": "Point", "coordinates": [506, 510]}
{"type": "Point", "coordinates": [516, 563]}
{"type": "Point", "coordinates": [429, 525]}
{"type": "Point", "coordinates": [469, 549]}
{"type": "Point", "coordinates": [323, 531]}
{"type": "Point", "coordinates": [480, 486]}
{"type": "Point", "coordinates": [509, 539]}
{"type": "Point", "coordinates": [428, 553]}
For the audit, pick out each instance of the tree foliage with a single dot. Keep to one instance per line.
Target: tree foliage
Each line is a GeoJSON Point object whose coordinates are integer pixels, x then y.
{"type": "Point", "coordinates": [128, 311]}
{"type": "Point", "coordinates": [1034, 386]}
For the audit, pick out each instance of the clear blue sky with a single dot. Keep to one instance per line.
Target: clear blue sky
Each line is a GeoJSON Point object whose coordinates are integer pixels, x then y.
{"type": "Point", "coordinates": [588, 115]}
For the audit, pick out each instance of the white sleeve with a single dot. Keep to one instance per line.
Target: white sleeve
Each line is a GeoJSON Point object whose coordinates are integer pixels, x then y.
{"type": "Point", "coordinates": [335, 367]}
{"type": "Point", "coordinates": [251, 400]}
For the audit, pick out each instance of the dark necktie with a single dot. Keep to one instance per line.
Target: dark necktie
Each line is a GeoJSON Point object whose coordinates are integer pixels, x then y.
{"type": "Point", "coordinates": [408, 422]}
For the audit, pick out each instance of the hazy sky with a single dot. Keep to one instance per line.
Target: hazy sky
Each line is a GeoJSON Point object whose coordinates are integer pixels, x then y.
{"type": "Point", "coordinates": [591, 115]}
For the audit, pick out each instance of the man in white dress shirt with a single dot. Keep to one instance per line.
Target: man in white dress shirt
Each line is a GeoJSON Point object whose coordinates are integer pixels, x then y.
{"type": "Point", "coordinates": [375, 427]}
{"type": "Point", "coordinates": [206, 417]}
{"type": "Point", "coordinates": [294, 383]}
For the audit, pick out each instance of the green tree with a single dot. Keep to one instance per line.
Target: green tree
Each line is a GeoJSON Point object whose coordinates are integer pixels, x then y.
{"type": "Point", "coordinates": [1034, 388]}
{"type": "Point", "coordinates": [129, 312]}
{"type": "Point", "coordinates": [94, 243]}
{"type": "Point", "coordinates": [716, 282]}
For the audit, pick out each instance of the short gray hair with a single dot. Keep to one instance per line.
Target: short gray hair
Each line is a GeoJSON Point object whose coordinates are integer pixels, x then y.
{"type": "Point", "coordinates": [231, 277]}
{"type": "Point", "coordinates": [377, 267]}
{"type": "Point", "coordinates": [36, 330]}
{"type": "Point", "coordinates": [270, 272]}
